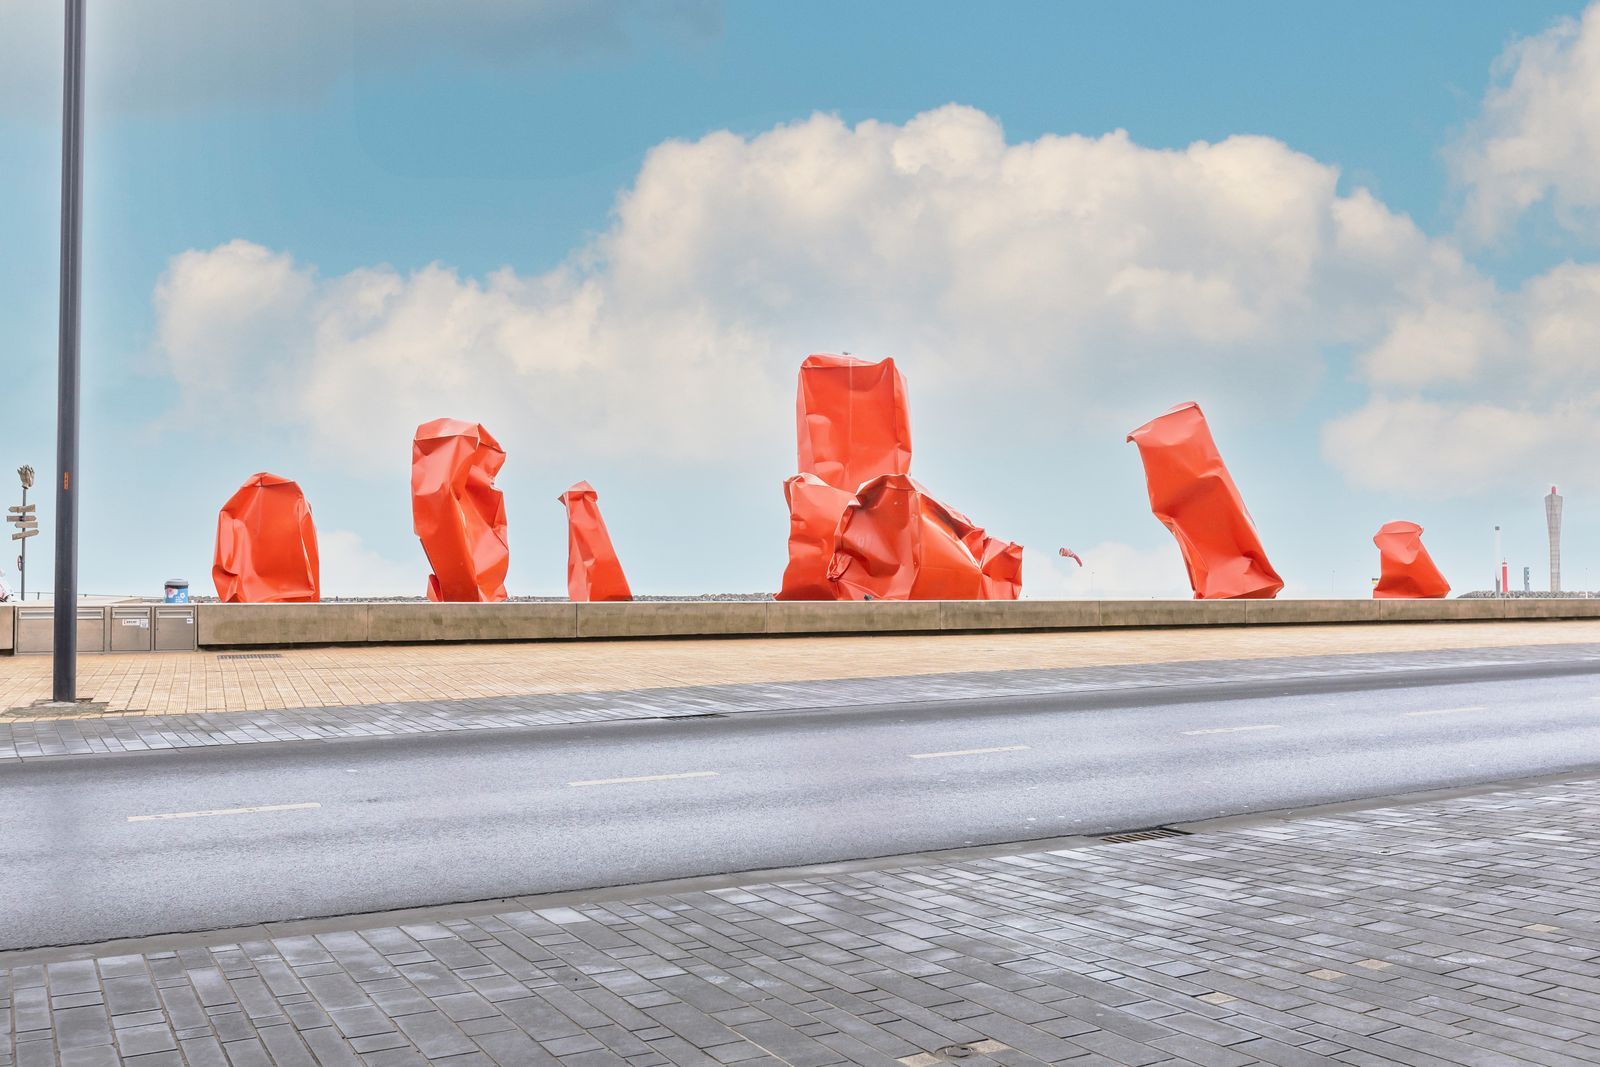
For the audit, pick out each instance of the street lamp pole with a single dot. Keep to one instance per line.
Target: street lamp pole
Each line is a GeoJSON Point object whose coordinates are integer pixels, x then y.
{"type": "Point", "coordinates": [64, 682]}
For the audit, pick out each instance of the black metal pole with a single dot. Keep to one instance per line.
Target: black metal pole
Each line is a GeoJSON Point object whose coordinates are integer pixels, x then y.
{"type": "Point", "coordinates": [22, 554]}
{"type": "Point", "coordinates": [65, 681]}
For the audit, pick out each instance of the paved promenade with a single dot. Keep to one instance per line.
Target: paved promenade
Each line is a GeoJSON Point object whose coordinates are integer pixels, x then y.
{"type": "Point", "coordinates": [1460, 930]}
{"type": "Point", "coordinates": [204, 682]}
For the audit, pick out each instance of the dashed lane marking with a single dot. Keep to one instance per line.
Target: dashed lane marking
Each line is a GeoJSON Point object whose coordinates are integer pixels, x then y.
{"type": "Point", "coordinates": [223, 811]}
{"type": "Point", "coordinates": [1230, 730]}
{"type": "Point", "coordinates": [644, 778]}
{"type": "Point", "coordinates": [969, 752]}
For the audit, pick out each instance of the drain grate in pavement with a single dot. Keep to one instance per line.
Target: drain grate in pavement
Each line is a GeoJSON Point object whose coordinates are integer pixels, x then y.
{"type": "Point", "coordinates": [250, 655]}
{"type": "Point", "coordinates": [1154, 833]}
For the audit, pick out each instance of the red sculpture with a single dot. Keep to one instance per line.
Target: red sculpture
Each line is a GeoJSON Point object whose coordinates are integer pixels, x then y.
{"type": "Point", "coordinates": [853, 421]}
{"type": "Point", "coordinates": [457, 512]}
{"type": "Point", "coordinates": [267, 545]}
{"type": "Point", "coordinates": [815, 508]}
{"type": "Point", "coordinates": [1193, 495]}
{"type": "Point", "coordinates": [593, 571]}
{"type": "Point", "coordinates": [1406, 570]}
{"type": "Point", "coordinates": [859, 527]}
{"type": "Point", "coordinates": [896, 542]}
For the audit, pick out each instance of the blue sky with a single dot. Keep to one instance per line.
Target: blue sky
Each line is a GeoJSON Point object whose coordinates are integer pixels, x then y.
{"type": "Point", "coordinates": [611, 232]}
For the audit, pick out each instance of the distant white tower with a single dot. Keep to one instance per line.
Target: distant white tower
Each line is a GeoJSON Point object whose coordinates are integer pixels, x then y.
{"type": "Point", "coordinates": [1552, 518]}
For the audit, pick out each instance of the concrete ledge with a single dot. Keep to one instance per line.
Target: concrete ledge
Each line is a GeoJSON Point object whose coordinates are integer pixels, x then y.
{"type": "Point", "coordinates": [1140, 613]}
{"type": "Point", "coordinates": [853, 617]}
{"type": "Point", "coordinates": [8, 627]}
{"type": "Point", "coordinates": [687, 618]}
{"type": "Point", "coordinates": [1299, 612]}
{"type": "Point", "coordinates": [254, 625]}
{"type": "Point", "coordinates": [1019, 614]}
{"type": "Point", "coordinates": [267, 625]}
{"type": "Point", "coordinates": [420, 623]}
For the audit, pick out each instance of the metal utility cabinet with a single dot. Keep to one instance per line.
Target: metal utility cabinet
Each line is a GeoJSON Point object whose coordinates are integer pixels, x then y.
{"type": "Point", "coordinates": [113, 628]}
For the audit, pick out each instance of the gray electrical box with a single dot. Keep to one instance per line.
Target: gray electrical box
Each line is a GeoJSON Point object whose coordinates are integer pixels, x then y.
{"type": "Point", "coordinates": [35, 630]}
{"type": "Point", "coordinates": [175, 628]}
{"type": "Point", "coordinates": [130, 629]}
{"type": "Point", "coordinates": [91, 629]}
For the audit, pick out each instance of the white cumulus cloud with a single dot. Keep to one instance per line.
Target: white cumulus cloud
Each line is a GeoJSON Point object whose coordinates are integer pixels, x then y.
{"type": "Point", "coordinates": [1064, 280]}
{"type": "Point", "coordinates": [1537, 139]}
{"type": "Point", "coordinates": [1469, 397]}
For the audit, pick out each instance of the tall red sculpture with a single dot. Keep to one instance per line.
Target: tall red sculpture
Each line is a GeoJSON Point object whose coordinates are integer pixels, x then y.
{"type": "Point", "coordinates": [1406, 570]}
{"type": "Point", "coordinates": [853, 421]}
{"type": "Point", "coordinates": [859, 527]}
{"type": "Point", "coordinates": [267, 545]}
{"type": "Point", "coordinates": [896, 542]}
{"type": "Point", "coordinates": [457, 512]}
{"type": "Point", "coordinates": [1193, 495]}
{"type": "Point", "coordinates": [593, 570]}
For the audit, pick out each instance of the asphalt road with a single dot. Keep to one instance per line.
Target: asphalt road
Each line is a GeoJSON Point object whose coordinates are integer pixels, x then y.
{"type": "Point", "coordinates": [104, 847]}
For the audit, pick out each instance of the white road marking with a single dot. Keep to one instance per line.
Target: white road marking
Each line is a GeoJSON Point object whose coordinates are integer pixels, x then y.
{"type": "Point", "coordinates": [1448, 711]}
{"type": "Point", "coordinates": [969, 752]}
{"type": "Point", "coordinates": [1230, 730]}
{"type": "Point", "coordinates": [645, 778]}
{"type": "Point", "coordinates": [223, 811]}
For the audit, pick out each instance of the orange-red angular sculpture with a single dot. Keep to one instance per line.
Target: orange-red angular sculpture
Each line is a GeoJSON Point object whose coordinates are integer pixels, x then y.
{"type": "Point", "coordinates": [859, 527]}
{"type": "Point", "coordinates": [593, 570]}
{"type": "Point", "coordinates": [457, 512]}
{"type": "Point", "coordinates": [267, 545]}
{"type": "Point", "coordinates": [853, 420]}
{"type": "Point", "coordinates": [815, 508]}
{"type": "Point", "coordinates": [1406, 572]}
{"type": "Point", "coordinates": [896, 542]}
{"type": "Point", "coordinates": [1193, 495]}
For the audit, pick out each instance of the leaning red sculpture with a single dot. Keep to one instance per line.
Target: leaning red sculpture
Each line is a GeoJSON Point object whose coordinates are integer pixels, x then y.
{"type": "Point", "coordinates": [1194, 496]}
{"type": "Point", "coordinates": [593, 570]}
{"type": "Point", "coordinates": [859, 527]}
{"type": "Point", "coordinates": [1406, 571]}
{"type": "Point", "coordinates": [266, 550]}
{"type": "Point", "coordinates": [457, 512]}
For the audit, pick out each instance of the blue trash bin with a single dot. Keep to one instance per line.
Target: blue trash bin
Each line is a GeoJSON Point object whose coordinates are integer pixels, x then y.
{"type": "Point", "coordinates": [177, 591]}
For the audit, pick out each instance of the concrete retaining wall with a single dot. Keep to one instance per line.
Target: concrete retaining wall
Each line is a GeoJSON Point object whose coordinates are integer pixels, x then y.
{"type": "Point", "coordinates": [8, 627]}
{"type": "Point", "coordinates": [266, 625]}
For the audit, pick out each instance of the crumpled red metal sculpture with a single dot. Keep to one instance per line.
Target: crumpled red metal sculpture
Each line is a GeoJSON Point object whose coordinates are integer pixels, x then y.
{"type": "Point", "coordinates": [457, 512]}
{"type": "Point", "coordinates": [853, 420]}
{"type": "Point", "coordinates": [267, 545]}
{"type": "Point", "coordinates": [1193, 495]}
{"type": "Point", "coordinates": [1406, 572]}
{"type": "Point", "coordinates": [859, 527]}
{"type": "Point", "coordinates": [896, 542]}
{"type": "Point", "coordinates": [593, 570]}
{"type": "Point", "coordinates": [815, 508]}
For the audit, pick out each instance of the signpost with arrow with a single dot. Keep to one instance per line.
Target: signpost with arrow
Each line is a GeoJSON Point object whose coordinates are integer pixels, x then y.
{"type": "Point", "coordinates": [27, 524]}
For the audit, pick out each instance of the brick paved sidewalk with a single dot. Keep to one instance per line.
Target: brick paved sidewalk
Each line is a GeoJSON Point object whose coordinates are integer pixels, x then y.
{"type": "Point", "coordinates": [1455, 931]}
{"type": "Point", "coordinates": [33, 736]}
{"type": "Point", "coordinates": [206, 682]}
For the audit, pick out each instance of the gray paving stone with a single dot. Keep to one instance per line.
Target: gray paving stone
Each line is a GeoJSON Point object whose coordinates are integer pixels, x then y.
{"type": "Point", "coordinates": [1246, 945]}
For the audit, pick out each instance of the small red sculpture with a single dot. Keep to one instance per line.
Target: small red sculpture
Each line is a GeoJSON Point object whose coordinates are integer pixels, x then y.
{"type": "Point", "coordinates": [1406, 570]}
{"type": "Point", "coordinates": [1193, 495]}
{"type": "Point", "coordinates": [267, 545]}
{"type": "Point", "coordinates": [815, 508]}
{"type": "Point", "coordinates": [593, 570]}
{"type": "Point", "coordinates": [896, 542]}
{"type": "Point", "coordinates": [457, 512]}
